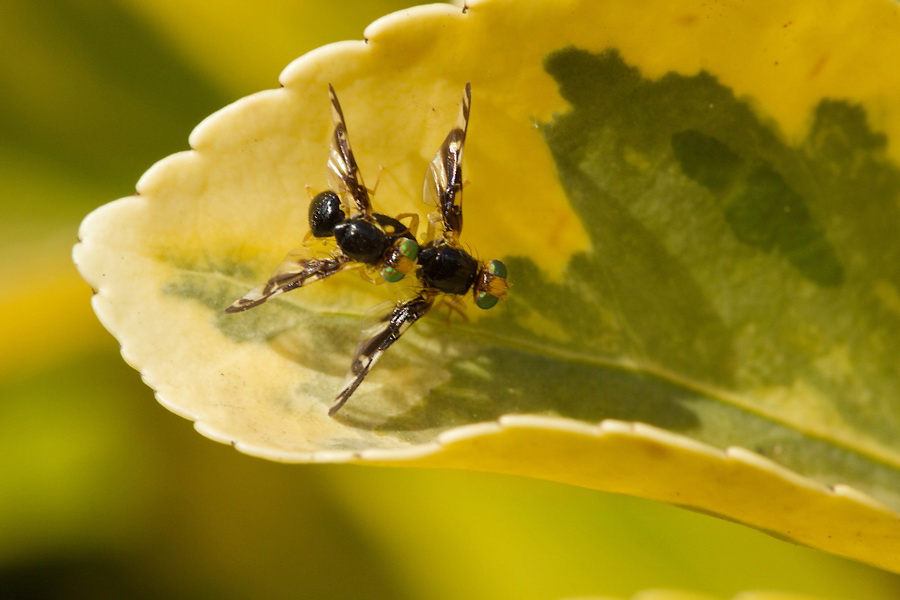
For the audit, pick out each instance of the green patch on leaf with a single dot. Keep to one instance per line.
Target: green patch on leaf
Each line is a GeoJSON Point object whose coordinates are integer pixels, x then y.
{"type": "Point", "coordinates": [762, 210]}
{"type": "Point", "coordinates": [214, 291]}
{"type": "Point", "coordinates": [751, 271]}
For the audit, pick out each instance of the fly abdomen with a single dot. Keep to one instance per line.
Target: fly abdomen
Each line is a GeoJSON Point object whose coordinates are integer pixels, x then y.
{"type": "Point", "coordinates": [361, 240]}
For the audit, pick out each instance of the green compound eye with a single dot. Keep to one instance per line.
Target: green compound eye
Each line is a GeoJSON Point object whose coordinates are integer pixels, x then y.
{"type": "Point", "coordinates": [486, 301]}
{"type": "Point", "coordinates": [400, 265]}
{"type": "Point", "coordinates": [391, 275]}
{"type": "Point", "coordinates": [495, 267]}
{"type": "Point", "coordinates": [408, 248]}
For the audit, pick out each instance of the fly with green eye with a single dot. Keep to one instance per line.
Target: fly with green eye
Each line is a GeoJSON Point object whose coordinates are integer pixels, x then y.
{"type": "Point", "coordinates": [445, 270]}
{"type": "Point", "coordinates": [364, 238]}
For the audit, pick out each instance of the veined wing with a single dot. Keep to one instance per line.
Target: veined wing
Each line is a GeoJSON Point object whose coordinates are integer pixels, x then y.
{"type": "Point", "coordinates": [443, 182]}
{"type": "Point", "coordinates": [377, 338]}
{"type": "Point", "coordinates": [296, 270]}
{"type": "Point", "coordinates": [342, 172]}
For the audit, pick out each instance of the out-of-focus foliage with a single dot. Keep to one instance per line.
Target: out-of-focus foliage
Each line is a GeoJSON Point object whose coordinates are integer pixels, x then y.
{"type": "Point", "coordinates": [105, 494]}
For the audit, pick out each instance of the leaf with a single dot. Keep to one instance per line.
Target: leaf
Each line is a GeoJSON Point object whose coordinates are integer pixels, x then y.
{"type": "Point", "coordinates": [697, 207]}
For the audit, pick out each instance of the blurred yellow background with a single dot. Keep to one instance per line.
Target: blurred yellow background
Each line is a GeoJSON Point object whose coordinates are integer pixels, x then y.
{"type": "Point", "coordinates": [105, 494]}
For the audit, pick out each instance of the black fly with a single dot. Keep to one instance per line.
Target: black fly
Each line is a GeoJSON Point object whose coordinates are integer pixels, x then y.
{"type": "Point", "coordinates": [363, 238]}
{"type": "Point", "coordinates": [445, 268]}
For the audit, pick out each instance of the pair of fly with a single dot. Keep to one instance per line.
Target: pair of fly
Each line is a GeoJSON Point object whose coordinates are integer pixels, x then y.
{"type": "Point", "coordinates": [443, 268]}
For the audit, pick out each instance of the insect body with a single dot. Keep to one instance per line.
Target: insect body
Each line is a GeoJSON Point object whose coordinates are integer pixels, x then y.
{"type": "Point", "coordinates": [362, 238]}
{"type": "Point", "coordinates": [445, 269]}
{"type": "Point", "coordinates": [380, 241]}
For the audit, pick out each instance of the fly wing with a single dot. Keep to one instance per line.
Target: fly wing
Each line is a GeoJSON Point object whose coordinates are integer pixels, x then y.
{"type": "Point", "coordinates": [342, 172]}
{"type": "Point", "coordinates": [444, 182]}
{"type": "Point", "coordinates": [377, 338]}
{"type": "Point", "coordinates": [296, 270]}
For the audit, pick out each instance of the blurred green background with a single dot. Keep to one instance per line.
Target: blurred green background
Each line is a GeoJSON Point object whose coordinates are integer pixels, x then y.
{"type": "Point", "coordinates": [105, 494]}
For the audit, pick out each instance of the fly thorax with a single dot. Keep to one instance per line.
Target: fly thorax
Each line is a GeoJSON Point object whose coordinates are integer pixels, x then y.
{"type": "Point", "coordinates": [446, 268]}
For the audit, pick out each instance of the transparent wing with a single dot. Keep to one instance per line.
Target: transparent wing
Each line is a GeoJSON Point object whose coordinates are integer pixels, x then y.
{"type": "Point", "coordinates": [342, 173]}
{"type": "Point", "coordinates": [296, 270]}
{"type": "Point", "coordinates": [443, 182]}
{"type": "Point", "coordinates": [377, 338]}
